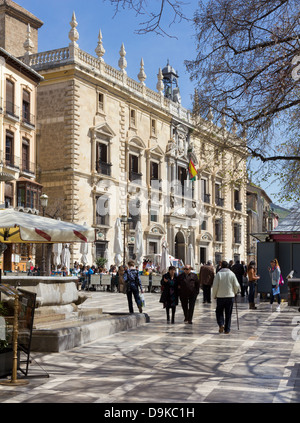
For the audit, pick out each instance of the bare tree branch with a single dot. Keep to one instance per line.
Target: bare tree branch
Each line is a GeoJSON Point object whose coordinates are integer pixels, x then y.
{"type": "Point", "coordinates": [155, 16]}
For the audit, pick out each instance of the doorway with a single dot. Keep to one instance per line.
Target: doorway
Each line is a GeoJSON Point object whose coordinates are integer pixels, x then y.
{"type": "Point", "coordinates": [203, 253]}
{"type": "Point", "coordinates": [180, 246]}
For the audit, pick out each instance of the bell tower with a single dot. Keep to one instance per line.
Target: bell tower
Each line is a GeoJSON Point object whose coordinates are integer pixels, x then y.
{"type": "Point", "coordinates": [170, 80]}
{"type": "Point", "coordinates": [14, 21]}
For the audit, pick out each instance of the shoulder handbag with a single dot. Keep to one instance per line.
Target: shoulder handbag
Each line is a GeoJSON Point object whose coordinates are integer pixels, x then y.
{"type": "Point", "coordinates": [281, 281]}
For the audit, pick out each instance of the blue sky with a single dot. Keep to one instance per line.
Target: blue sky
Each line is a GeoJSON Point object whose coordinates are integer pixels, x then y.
{"type": "Point", "coordinates": [93, 15]}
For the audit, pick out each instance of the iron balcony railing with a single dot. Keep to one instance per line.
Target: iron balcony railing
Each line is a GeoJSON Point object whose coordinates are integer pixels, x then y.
{"type": "Point", "coordinates": [219, 202]}
{"type": "Point", "coordinates": [206, 198]}
{"type": "Point", "coordinates": [238, 206]}
{"type": "Point", "coordinates": [11, 109]}
{"type": "Point", "coordinates": [28, 118]}
{"type": "Point", "coordinates": [104, 168]}
{"type": "Point", "coordinates": [135, 177]}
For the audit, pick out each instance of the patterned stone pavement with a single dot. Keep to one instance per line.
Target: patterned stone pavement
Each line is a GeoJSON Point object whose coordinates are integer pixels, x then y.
{"type": "Point", "coordinates": [174, 363]}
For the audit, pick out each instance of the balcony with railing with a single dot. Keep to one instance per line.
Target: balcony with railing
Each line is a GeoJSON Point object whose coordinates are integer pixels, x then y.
{"type": "Point", "coordinates": [28, 118]}
{"type": "Point", "coordinates": [135, 177]}
{"type": "Point", "coordinates": [11, 161]}
{"type": "Point", "coordinates": [28, 167]}
{"type": "Point", "coordinates": [219, 202]}
{"type": "Point", "coordinates": [104, 168]}
{"type": "Point", "coordinates": [206, 198]}
{"type": "Point", "coordinates": [238, 206]}
{"type": "Point", "coordinates": [11, 110]}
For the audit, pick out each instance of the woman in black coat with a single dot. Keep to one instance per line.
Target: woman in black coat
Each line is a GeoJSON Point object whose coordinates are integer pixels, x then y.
{"type": "Point", "coordinates": [169, 296]}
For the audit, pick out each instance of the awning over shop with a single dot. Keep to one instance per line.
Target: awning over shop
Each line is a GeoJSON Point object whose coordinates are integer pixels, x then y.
{"type": "Point", "coordinates": [19, 227]}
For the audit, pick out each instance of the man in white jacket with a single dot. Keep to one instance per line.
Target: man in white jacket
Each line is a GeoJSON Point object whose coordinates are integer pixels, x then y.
{"type": "Point", "coordinates": [225, 287]}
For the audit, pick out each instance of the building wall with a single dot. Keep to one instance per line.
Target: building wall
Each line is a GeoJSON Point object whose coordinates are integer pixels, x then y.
{"type": "Point", "coordinates": [15, 167]}
{"type": "Point", "coordinates": [14, 21]}
{"type": "Point", "coordinates": [71, 123]}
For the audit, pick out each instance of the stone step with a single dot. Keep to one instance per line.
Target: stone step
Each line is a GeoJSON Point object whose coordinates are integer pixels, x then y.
{"type": "Point", "coordinates": [45, 319]}
{"type": "Point", "coordinates": [74, 333]}
{"type": "Point", "coordinates": [62, 321]}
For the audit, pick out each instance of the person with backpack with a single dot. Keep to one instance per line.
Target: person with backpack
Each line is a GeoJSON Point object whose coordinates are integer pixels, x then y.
{"type": "Point", "coordinates": [132, 279]}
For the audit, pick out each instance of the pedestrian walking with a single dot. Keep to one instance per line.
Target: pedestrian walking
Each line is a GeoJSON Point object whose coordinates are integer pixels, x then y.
{"type": "Point", "coordinates": [252, 277]}
{"type": "Point", "coordinates": [132, 278]}
{"type": "Point", "coordinates": [225, 288]}
{"type": "Point", "coordinates": [169, 295]}
{"type": "Point", "coordinates": [245, 278]}
{"type": "Point", "coordinates": [276, 281]}
{"type": "Point", "coordinates": [238, 270]}
{"type": "Point", "coordinates": [188, 289]}
{"type": "Point", "coordinates": [206, 278]}
{"type": "Point", "coordinates": [29, 267]}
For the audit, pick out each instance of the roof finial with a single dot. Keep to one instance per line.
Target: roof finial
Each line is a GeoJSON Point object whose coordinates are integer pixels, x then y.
{"type": "Point", "coordinates": [122, 61]}
{"type": "Point", "coordinates": [73, 34]}
{"type": "Point", "coordinates": [160, 85]}
{"type": "Point", "coordinates": [142, 76]}
{"type": "Point", "coordinates": [100, 51]}
{"type": "Point", "coordinates": [28, 45]}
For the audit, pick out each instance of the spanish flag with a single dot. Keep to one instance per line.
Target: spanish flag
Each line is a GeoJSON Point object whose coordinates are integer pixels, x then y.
{"type": "Point", "coordinates": [192, 171]}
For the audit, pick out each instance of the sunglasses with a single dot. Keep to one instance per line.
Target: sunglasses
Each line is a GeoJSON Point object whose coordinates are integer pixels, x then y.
{"type": "Point", "coordinates": [186, 268]}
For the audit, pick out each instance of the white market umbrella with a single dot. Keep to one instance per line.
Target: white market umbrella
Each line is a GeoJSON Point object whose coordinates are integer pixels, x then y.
{"type": "Point", "coordinates": [165, 261]}
{"type": "Point", "coordinates": [191, 257]}
{"type": "Point", "coordinates": [19, 227]}
{"type": "Point", "coordinates": [138, 243]}
{"type": "Point", "coordinates": [118, 243]}
{"type": "Point", "coordinates": [65, 257]}
{"type": "Point", "coordinates": [57, 250]}
{"type": "Point", "coordinates": [84, 249]}
{"type": "Point", "coordinates": [107, 257]}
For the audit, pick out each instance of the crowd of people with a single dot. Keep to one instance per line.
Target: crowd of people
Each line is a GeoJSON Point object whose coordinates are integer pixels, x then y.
{"type": "Point", "coordinates": [222, 283]}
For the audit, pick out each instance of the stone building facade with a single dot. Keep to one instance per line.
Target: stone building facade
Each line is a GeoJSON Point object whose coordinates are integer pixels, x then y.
{"type": "Point", "coordinates": [18, 186]}
{"type": "Point", "coordinates": [108, 146]}
{"type": "Point", "coordinates": [261, 218]}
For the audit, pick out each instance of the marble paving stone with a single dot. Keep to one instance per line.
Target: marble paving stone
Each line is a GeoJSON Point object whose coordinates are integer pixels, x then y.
{"type": "Point", "coordinates": [240, 396]}
{"type": "Point", "coordinates": [180, 363]}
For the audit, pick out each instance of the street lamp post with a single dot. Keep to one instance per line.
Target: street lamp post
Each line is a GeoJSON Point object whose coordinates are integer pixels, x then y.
{"type": "Point", "coordinates": [44, 203]}
{"type": "Point", "coordinates": [125, 220]}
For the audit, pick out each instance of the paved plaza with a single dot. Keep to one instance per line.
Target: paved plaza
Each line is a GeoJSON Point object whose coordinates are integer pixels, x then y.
{"type": "Point", "coordinates": [174, 363]}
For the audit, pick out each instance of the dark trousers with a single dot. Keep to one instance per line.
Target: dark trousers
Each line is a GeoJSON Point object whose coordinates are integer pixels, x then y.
{"type": "Point", "coordinates": [206, 293]}
{"type": "Point", "coordinates": [133, 291]}
{"type": "Point", "coordinates": [244, 289]}
{"type": "Point", "coordinates": [272, 297]}
{"type": "Point", "coordinates": [251, 292]}
{"type": "Point", "coordinates": [173, 313]}
{"type": "Point", "coordinates": [188, 305]}
{"type": "Point", "coordinates": [224, 305]}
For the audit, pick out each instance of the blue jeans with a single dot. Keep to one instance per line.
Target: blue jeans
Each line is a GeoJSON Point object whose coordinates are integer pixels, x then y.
{"type": "Point", "coordinates": [272, 297]}
{"type": "Point", "coordinates": [224, 305]}
{"type": "Point", "coordinates": [133, 290]}
{"type": "Point", "coordinates": [251, 292]}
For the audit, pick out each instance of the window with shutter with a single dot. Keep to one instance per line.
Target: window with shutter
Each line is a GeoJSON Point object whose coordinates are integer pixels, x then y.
{"type": "Point", "coordinates": [10, 96]}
